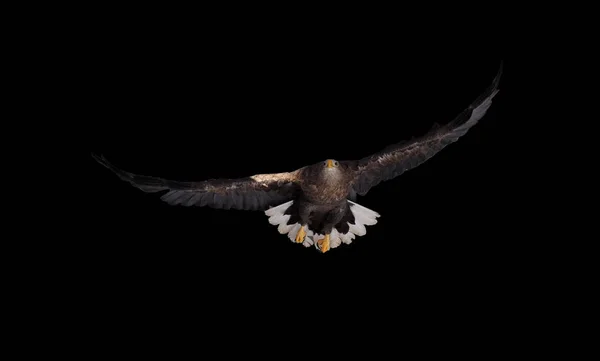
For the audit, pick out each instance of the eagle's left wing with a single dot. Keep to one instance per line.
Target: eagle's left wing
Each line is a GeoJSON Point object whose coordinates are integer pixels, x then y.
{"type": "Point", "coordinates": [257, 192]}
{"type": "Point", "coordinates": [398, 158]}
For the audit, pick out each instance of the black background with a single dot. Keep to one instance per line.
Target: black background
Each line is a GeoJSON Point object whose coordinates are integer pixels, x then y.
{"type": "Point", "coordinates": [231, 117]}
{"type": "Point", "coordinates": [247, 103]}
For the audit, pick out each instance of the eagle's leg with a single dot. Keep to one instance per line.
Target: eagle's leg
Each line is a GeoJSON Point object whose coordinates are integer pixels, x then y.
{"type": "Point", "coordinates": [333, 217]}
{"type": "Point", "coordinates": [304, 210]}
{"type": "Point", "coordinates": [301, 234]}
{"type": "Point", "coordinates": [324, 244]}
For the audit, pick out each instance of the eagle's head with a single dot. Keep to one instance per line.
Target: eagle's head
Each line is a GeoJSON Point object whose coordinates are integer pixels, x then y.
{"type": "Point", "coordinates": [330, 169]}
{"type": "Point", "coordinates": [331, 164]}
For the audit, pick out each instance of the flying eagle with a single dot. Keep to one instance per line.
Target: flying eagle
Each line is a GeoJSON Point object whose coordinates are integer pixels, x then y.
{"type": "Point", "coordinates": [314, 205]}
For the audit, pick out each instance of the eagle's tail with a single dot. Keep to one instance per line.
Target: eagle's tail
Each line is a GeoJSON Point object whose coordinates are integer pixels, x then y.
{"type": "Point", "coordinates": [344, 232]}
{"type": "Point", "coordinates": [278, 217]}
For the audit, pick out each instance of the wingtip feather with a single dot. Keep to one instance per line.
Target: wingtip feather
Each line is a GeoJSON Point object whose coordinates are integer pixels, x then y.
{"type": "Point", "coordinates": [100, 159]}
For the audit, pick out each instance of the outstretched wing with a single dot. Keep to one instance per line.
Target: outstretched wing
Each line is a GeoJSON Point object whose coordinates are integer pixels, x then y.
{"type": "Point", "coordinates": [257, 192]}
{"type": "Point", "coordinates": [398, 158]}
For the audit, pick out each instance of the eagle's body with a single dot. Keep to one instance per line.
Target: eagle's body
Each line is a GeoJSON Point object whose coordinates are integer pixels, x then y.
{"type": "Point", "coordinates": [314, 205]}
{"type": "Point", "coordinates": [326, 185]}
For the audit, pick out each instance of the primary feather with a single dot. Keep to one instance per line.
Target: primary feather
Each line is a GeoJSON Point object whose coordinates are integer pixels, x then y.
{"type": "Point", "coordinates": [398, 158]}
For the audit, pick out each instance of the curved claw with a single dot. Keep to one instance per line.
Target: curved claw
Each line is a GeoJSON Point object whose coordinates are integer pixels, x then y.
{"type": "Point", "coordinates": [301, 234]}
{"type": "Point", "coordinates": [324, 244]}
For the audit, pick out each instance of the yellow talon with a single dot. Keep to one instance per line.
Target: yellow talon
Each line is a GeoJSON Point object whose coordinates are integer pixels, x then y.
{"type": "Point", "coordinates": [324, 244]}
{"type": "Point", "coordinates": [300, 236]}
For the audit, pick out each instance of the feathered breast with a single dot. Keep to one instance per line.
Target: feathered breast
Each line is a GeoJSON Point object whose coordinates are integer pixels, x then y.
{"type": "Point", "coordinates": [325, 186]}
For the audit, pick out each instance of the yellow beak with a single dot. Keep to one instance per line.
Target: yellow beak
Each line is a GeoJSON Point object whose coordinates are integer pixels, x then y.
{"type": "Point", "coordinates": [329, 163]}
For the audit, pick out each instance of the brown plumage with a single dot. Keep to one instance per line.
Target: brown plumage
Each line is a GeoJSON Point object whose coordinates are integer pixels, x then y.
{"type": "Point", "coordinates": [314, 205]}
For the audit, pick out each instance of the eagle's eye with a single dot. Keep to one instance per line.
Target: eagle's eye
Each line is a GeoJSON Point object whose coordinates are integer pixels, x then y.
{"type": "Point", "coordinates": [330, 163]}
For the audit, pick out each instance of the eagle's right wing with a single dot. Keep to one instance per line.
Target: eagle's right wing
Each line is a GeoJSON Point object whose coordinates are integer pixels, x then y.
{"type": "Point", "coordinates": [257, 192]}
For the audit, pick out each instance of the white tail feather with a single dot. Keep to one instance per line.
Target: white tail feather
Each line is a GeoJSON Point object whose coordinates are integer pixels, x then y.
{"type": "Point", "coordinates": [280, 209]}
{"type": "Point", "coordinates": [334, 239]}
{"type": "Point", "coordinates": [358, 229]}
{"type": "Point", "coordinates": [362, 217]}
{"type": "Point", "coordinates": [278, 219]}
{"type": "Point", "coordinates": [308, 240]}
{"type": "Point", "coordinates": [284, 228]}
{"type": "Point", "coordinates": [348, 237]}
{"type": "Point", "coordinates": [293, 232]}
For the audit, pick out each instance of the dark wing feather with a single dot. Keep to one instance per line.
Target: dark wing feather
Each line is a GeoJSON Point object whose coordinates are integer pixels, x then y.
{"type": "Point", "coordinates": [257, 192]}
{"type": "Point", "coordinates": [398, 158]}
